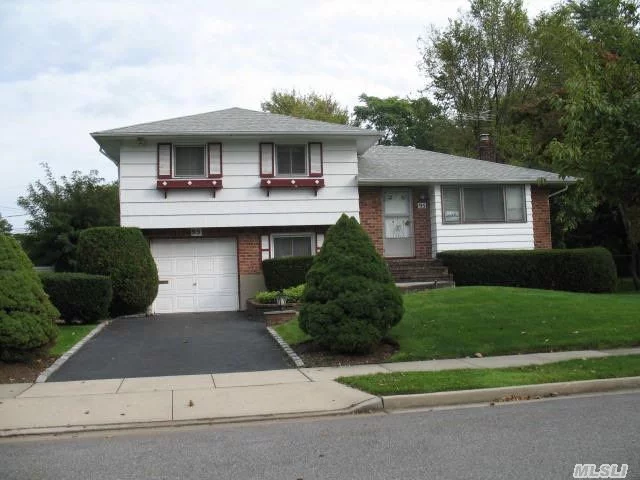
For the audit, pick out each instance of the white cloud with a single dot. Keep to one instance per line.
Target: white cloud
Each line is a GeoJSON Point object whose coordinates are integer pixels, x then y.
{"type": "Point", "coordinates": [71, 67]}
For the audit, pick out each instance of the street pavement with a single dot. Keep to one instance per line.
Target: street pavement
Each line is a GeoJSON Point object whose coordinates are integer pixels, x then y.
{"type": "Point", "coordinates": [521, 440]}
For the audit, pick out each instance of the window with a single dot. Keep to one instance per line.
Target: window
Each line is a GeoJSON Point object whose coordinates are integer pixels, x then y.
{"type": "Point", "coordinates": [190, 161]}
{"type": "Point", "coordinates": [291, 160]}
{"type": "Point", "coordinates": [292, 246]}
{"type": "Point", "coordinates": [483, 204]}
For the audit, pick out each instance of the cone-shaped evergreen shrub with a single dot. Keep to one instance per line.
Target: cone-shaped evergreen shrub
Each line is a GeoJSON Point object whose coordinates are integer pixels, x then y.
{"type": "Point", "coordinates": [124, 255]}
{"type": "Point", "coordinates": [26, 314]}
{"type": "Point", "coordinates": [350, 301]}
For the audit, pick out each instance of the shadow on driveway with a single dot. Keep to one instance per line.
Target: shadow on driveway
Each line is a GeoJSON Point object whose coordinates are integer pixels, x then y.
{"type": "Point", "coordinates": [175, 344]}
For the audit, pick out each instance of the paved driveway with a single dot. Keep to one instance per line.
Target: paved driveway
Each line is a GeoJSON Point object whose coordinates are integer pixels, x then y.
{"type": "Point", "coordinates": [175, 344]}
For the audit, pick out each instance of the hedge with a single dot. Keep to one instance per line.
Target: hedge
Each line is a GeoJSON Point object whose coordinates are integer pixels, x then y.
{"type": "Point", "coordinates": [281, 273]}
{"type": "Point", "coordinates": [574, 270]}
{"type": "Point", "coordinates": [27, 316]}
{"type": "Point", "coordinates": [79, 296]}
{"type": "Point", "coordinates": [124, 255]}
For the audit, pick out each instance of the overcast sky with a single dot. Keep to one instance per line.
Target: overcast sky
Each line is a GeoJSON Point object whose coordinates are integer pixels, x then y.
{"type": "Point", "coordinates": [68, 68]}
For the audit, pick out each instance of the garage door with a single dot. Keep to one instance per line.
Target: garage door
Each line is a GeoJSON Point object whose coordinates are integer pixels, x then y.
{"type": "Point", "coordinates": [196, 275]}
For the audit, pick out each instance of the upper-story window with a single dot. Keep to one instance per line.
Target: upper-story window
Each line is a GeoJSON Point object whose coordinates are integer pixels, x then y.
{"type": "Point", "coordinates": [484, 204]}
{"type": "Point", "coordinates": [190, 161]}
{"type": "Point", "coordinates": [291, 160]}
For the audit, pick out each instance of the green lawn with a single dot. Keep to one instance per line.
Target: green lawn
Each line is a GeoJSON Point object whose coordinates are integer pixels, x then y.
{"type": "Point", "coordinates": [459, 322]}
{"type": "Point", "coordinates": [469, 379]}
{"type": "Point", "coordinates": [69, 335]}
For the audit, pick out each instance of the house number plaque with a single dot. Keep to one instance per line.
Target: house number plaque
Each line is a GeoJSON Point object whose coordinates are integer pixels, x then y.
{"type": "Point", "coordinates": [422, 204]}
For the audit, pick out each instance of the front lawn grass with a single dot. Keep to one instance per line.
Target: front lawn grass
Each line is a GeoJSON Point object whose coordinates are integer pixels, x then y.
{"type": "Point", "coordinates": [403, 383]}
{"type": "Point", "coordinates": [459, 322]}
{"type": "Point", "coordinates": [291, 332]}
{"type": "Point", "coordinates": [68, 336]}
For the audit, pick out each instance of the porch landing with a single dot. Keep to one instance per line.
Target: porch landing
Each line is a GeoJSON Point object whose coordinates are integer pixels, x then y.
{"type": "Point", "coordinates": [414, 270]}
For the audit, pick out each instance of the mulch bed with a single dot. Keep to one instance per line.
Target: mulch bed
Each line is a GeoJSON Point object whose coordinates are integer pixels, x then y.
{"type": "Point", "coordinates": [24, 372]}
{"type": "Point", "coordinates": [314, 356]}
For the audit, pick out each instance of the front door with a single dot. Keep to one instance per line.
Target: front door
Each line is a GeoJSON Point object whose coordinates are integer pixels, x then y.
{"type": "Point", "coordinates": [398, 224]}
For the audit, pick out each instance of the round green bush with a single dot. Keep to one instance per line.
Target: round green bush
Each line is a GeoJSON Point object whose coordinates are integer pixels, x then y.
{"type": "Point", "coordinates": [79, 297]}
{"type": "Point", "coordinates": [26, 314]}
{"type": "Point", "coordinates": [350, 301]}
{"type": "Point", "coordinates": [122, 254]}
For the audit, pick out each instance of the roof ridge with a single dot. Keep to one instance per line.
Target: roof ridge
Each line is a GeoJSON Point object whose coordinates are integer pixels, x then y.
{"type": "Point", "coordinates": [218, 116]}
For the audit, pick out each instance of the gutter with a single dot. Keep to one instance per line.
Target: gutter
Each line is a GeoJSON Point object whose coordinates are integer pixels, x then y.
{"type": "Point", "coordinates": [413, 181]}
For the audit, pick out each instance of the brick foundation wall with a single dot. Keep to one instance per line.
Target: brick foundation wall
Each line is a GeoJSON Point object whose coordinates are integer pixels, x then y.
{"type": "Point", "coordinates": [421, 223]}
{"type": "Point", "coordinates": [371, 215]}
{"type": "Point", "coordinates": [541, 217]}
{"type": "Point", "coordinates": [249, 256]}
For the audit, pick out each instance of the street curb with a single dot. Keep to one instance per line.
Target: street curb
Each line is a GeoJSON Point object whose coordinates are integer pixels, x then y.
{"type": "Point", "coordinates": [366, 406]}
{"type": "Point", "coordinates": [287, 349]}
{"type": "Point", "coordinates": [69, 353]}
{"type": "Point", "coordinates": [439, 399]}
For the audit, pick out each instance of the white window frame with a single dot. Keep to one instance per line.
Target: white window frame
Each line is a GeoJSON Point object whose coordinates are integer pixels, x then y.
{"type": "Point", "coordinates": [310, 235]}
{"type": "Point", "coordinates": [276, 173]}
{"type": "Point", "coordinates": [205, 166]}
{"type": "Point", "coordinates": [463, 221]}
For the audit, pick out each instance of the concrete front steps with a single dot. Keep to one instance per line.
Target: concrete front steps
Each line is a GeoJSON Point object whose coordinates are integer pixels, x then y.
{"type": "Point", "coordinates": [413, 274]}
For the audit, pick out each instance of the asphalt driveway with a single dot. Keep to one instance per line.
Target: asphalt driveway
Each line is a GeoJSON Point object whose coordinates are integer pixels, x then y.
{"type": "Point", "coordinates": [175, 344]}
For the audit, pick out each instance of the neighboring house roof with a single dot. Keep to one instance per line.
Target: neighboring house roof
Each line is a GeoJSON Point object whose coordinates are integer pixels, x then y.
{"type": "Point", "coordinates": [232, 121]}
{"type": "Point", "coordinates": [385, 165]}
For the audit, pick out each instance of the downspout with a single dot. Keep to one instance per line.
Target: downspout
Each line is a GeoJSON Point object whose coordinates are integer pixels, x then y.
{"type": "Point", "coordinates": [566, 187]}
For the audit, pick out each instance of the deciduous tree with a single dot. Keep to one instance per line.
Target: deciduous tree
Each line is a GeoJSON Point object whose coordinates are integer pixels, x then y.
{"type": "Point", "coordinates": [313, 106]}
{"type": "Point", "coordinates": [60, 209]}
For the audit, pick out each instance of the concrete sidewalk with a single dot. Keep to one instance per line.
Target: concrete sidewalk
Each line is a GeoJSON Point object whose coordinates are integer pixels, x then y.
{"type": "Point", "coordinates": [129, 402]}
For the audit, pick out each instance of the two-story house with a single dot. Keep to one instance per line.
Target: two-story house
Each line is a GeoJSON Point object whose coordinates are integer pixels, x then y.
{"type": "Point", "coordinates": [217, 193]}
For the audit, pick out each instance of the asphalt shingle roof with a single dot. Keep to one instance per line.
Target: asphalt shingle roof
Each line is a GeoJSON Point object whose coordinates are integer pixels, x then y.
{"type": "Point", "coordinates": [405, 165]}
{"type": "Point", "coordinates": [237, 121]}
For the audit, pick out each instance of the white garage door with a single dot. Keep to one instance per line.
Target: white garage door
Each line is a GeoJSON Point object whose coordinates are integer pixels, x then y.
{"type": "Point", "coordinates": [196, 275]}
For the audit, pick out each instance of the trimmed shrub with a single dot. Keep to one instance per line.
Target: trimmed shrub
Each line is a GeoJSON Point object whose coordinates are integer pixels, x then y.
{"type": "Point", "coordinates": [574, 270]}
{"type": "Point", "coordinates": [267, 297]}
{"type": "Point", "coordinates": [26, 315]}
{"type": "Point", "coordinates": [123, 254]}
{"type": "Point", "coordinates": [293, 294]}
{"type": "Point", "coordinates": [350, 301]}
{"type": "Point", "coordinates": [281, 273]}
{"type": "Point", "coordinates": [78, 296]}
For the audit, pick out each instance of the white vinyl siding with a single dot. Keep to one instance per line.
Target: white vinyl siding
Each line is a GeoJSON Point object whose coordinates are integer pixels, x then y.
{"type": "Point", "coordinates": [475, 236]}
{"type": "Point", "coordinates": [241, 202]}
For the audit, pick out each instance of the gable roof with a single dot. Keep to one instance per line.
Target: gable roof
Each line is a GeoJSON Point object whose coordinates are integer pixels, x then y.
{"type": "Point", "coordinates": [392, 165]}
{"type": "Point", "coordinates": [237, 121]}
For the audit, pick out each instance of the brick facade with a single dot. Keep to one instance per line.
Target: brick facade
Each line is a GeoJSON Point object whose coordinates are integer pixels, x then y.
{"type": "Point", "coordinates": [249, 255]}
{"type": "Point", "coordinates": [372, 220]}
{"type": "Point", "coordinates": [371, 215]}
{"type": "Point", "coordinates": [421, 223]}
{"type": "Point", "coordinates": [541, 217]}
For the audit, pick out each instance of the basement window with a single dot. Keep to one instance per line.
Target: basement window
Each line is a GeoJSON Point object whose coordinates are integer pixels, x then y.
{"type": "Point", "coordinates": [292, 246]}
